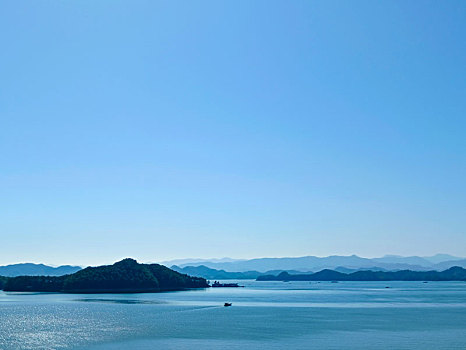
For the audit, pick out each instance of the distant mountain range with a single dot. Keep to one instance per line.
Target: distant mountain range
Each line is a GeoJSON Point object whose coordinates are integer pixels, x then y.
{"type": "Point", "coordinates": [128, 276]}
{"type": "Point", "coordinates": [212, 274]}
{"type": "Point", "coordinates": [186, 262]}
{"type": "Point", "coordinates": [28, 269]}
{"type": "Point", "coordinates": [226, 268]}
{"type": "Point", "coordinates": [437, 262]}
{"type": "Point", "coordinates": [452, 274]}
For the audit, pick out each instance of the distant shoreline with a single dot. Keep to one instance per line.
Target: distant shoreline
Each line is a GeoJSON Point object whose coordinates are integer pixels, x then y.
{"type": "Point", "coordinates": [452, 274]}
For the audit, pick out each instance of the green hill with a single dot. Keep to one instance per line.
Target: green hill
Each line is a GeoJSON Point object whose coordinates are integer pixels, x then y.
{"type": "Point", "coordinates": [126, 276]}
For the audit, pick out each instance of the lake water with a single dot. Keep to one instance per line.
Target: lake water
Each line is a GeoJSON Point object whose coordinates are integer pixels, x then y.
{"type": "Point", "coordinates": [264, 315]}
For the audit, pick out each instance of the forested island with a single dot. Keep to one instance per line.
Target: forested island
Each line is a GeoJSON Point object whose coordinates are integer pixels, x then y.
{"type": "Point", "coordinates": [452, 274]}
{"type": "Point", "coordinates": [126, 276]}
{"type": "Point", "coordinates": [2, 281]}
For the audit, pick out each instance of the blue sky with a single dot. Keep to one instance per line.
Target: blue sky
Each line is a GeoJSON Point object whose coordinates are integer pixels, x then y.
{"type": "Point", "coordinates": [175, 129]}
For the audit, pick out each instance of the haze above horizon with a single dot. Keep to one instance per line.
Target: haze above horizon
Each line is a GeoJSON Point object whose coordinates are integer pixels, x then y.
{"type": "Point", "coordinates": [161, 130]}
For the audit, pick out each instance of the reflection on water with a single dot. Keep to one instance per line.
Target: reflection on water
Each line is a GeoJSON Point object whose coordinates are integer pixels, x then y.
{"type": "Point", "coordinates": [264, 315]}
{"type": "Point", "coordinates": [119, 301]}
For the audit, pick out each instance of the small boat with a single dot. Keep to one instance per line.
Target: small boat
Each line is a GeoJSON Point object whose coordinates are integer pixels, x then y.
{"type": "Point", "coordinates": [227, 304]}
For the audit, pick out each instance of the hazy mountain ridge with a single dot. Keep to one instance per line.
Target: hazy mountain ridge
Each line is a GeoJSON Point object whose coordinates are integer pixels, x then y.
{"type": "Point", "coordinates": [195, 261]}
{"type": "Point", "coordinates": [30, 269]}
{"type": "Point", "coordinates": [227, 268]}
{"type": "Point", "coordinates": [212, 274]}
{"type": "Point", "coordinates": [353, 262]}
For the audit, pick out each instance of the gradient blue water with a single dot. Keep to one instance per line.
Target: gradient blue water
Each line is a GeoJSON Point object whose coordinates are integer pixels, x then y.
{"type": "Point", "coordinates": [264, 315]}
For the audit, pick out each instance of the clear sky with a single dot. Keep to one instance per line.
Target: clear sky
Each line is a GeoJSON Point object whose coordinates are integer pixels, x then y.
{"type": "Point", "coordinates": [174, 129]}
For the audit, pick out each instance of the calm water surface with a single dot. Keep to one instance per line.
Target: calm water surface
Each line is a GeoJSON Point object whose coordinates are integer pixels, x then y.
{"type": "Point", "coordinates": [264, 315]}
